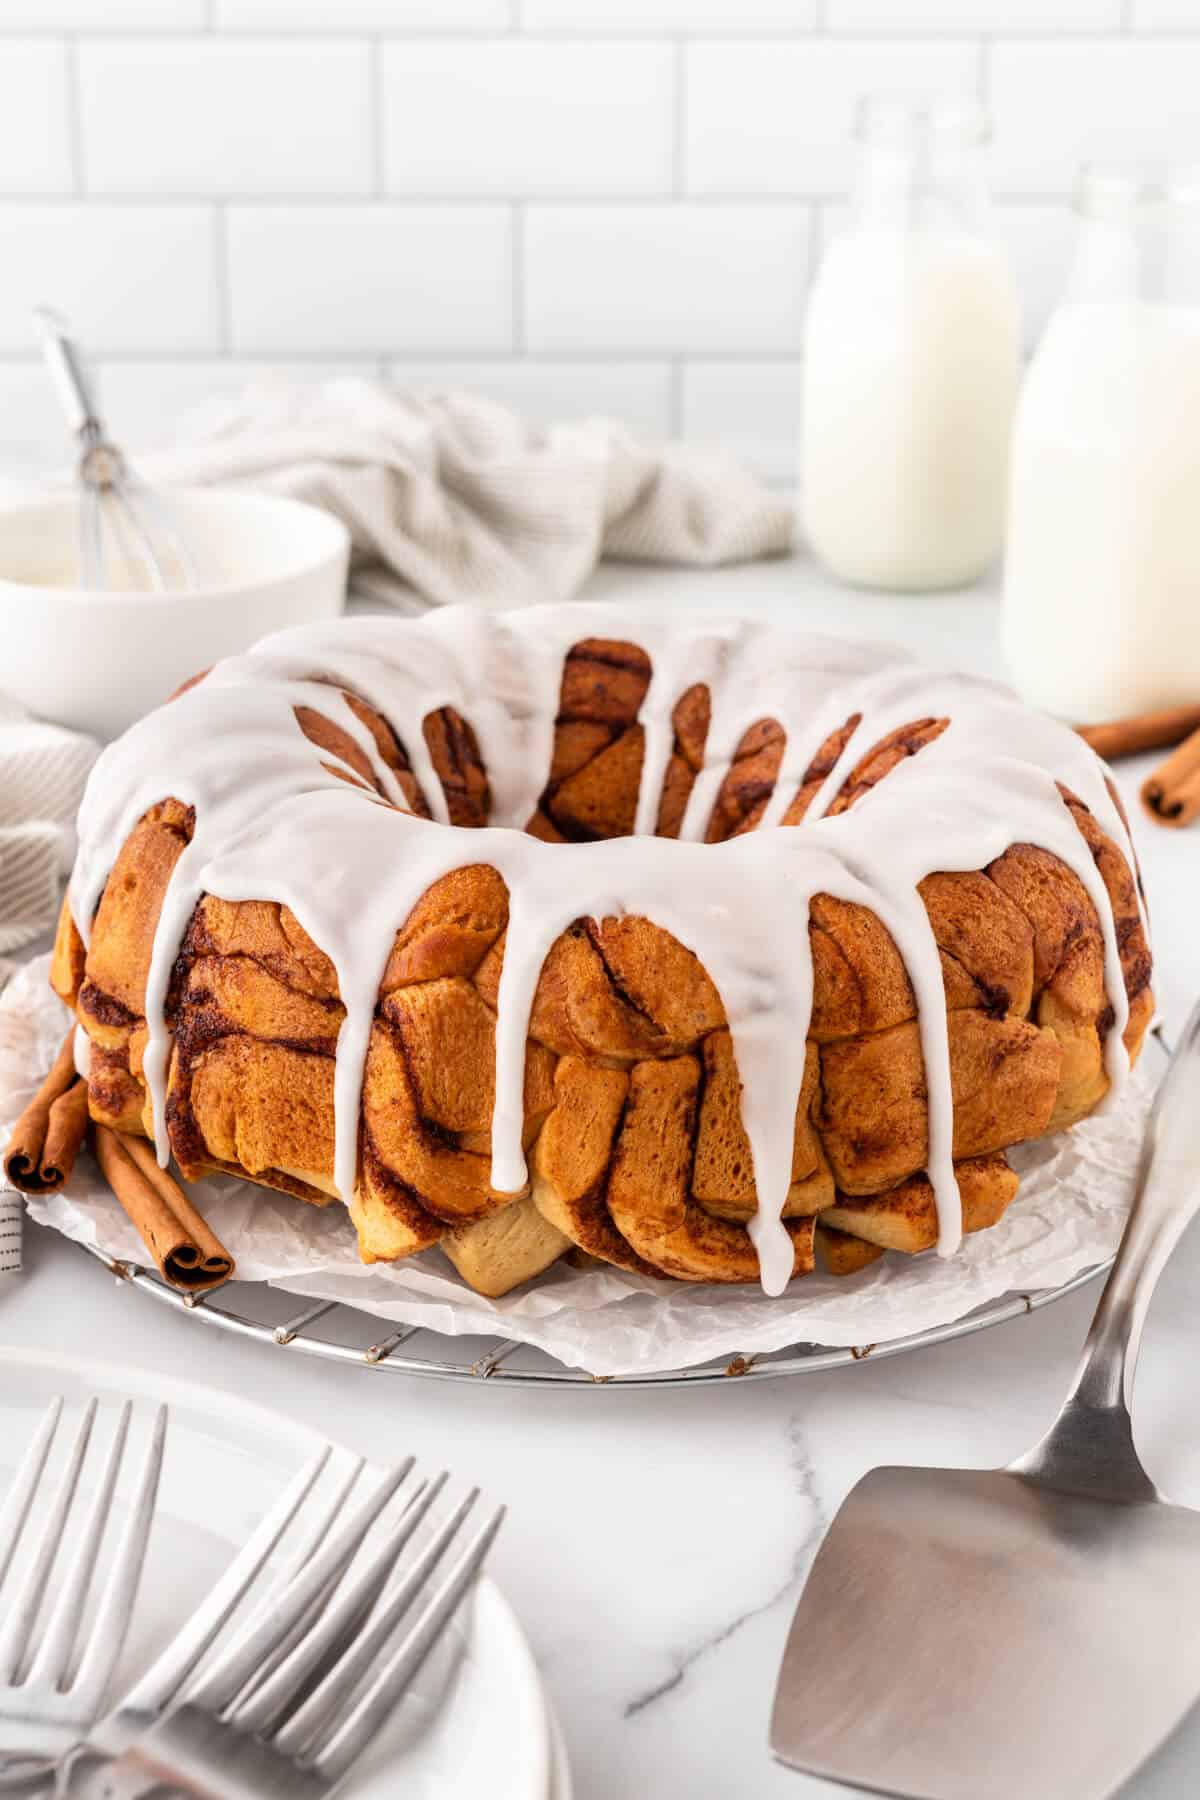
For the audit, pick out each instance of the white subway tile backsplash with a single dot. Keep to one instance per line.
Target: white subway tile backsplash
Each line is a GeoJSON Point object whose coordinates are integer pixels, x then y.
{"type": "Point", "coordinates": [751, 408]}
{"type": "Point", "coordinates": [1058, 104]}
{"type": "Point", "coordinates": [1010, 16]}
{"type": "Point", "coordinates": [33, 437]}
{"type": "Point", "coordinates": [128, 278]}
{"type": "Point", "coordinates": [668, 15]}
{"type": "Point", "coordinates": [225, 118]}
{"type": "Point", "coordinates": [35, 144]}
{"type": "Point", "coordinates": [152, 404]}
{"type": "Point", "coordinates": [102, 15]}
{"type": "Point", "coordinates": [1166, 15]}
{"type": "Point", "coordinates": [776, 118]}
{"type": "Point", "coordinates": [665, 278]}
{"type": "Point", "coordinates": [363, 15]}
{"type": "Point", "coordinates": [148, 405]}
{"type": "Point", "coordinates": [508, 117]}
{"type": "Point", "coordinates": [370, 279]}
{"type": "Point", "coordinates": [547, 393]}
{"type": "Point", "coordinates": [573, 205]}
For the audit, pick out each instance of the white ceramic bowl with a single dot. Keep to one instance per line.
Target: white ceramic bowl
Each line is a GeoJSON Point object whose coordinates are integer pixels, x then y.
{"type": "Point", "coordinates": [99, 660]}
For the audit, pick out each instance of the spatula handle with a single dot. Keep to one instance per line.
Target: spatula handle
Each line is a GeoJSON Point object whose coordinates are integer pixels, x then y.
{"type": "Point", "coordinates": [1090, 1446]}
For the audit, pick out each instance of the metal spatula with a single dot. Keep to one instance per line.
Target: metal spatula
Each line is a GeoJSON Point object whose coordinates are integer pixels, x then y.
{"type": "Point", "coordinates": [978, 1634]}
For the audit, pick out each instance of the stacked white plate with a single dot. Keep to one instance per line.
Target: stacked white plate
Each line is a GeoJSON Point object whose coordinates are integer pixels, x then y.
{"type": "Point", "coordinates": [478, 1723]}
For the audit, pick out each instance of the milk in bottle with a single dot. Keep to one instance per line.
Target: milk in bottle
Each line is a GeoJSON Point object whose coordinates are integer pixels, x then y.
{"type": "Point", "coordinates": [1102, 583]}
{"type": "Point", "coordinates": [911, 358]}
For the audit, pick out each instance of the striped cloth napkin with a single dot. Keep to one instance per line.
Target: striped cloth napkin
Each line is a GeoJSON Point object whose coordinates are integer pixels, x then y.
{"type": "Point", "coordinates": [43, 770]}
{"type": "Point", "coordinates": [449, 496]}
{"type": "Point", "coordinates": [12, 1219]}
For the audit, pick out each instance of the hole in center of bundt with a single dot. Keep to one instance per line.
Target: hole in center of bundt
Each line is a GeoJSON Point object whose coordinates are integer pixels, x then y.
{"type": "Point", "coordinates": [598, 751]}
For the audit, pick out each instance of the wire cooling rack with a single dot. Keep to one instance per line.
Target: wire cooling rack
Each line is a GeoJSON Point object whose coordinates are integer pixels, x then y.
{"type": "Point", "coordinates": [299, 1327]}
{"type": "Point", "coordinates": [344, 1334]}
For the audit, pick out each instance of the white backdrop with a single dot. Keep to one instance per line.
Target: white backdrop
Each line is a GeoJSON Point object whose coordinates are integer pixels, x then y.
{"type": "Point", "coordinates": [577, 205]}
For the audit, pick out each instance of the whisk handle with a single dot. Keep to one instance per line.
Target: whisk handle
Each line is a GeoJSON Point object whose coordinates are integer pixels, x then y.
{"type": "Point", "coordinates": [67, 372]}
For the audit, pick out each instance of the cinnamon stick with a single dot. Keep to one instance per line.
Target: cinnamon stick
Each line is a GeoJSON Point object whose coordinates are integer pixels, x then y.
{"type": "Point", "coordinates": [65, 1134]}
{"type": "Point", "coordinates": [1172, 794]}
{"type": "Point", "coordinates": [186, 1251]}
{"type": "Point", "coordinates": [46, 1138]}
{"type": "Point", "coordinates": [1145, 731]}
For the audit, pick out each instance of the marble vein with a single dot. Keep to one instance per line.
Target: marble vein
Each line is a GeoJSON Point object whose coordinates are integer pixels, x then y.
{"type": "Point", "coordinates": [806, 1492]}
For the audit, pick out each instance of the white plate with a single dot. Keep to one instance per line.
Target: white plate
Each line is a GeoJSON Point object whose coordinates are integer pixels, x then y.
{"type": "Point", "coordinates": [560, 1771]}
{"type": "Point", "coordinates": [477, 1722]}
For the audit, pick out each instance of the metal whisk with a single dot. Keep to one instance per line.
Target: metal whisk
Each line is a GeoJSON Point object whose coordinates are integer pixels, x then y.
{"type": "Point", "coordinates": [128, 536]}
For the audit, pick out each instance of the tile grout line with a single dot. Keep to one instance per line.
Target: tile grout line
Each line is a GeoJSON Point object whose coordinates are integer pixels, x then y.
{"type": "Point", "coordinates": [680, 103]}
{"type": "Point", "coordinates": [676, 396]}
{"type": "Point", "coordinates": [779, 201]}
{"type": "Point", "coordinates": [378, 146]}
{"type": "Point", "coordinates": [74, 108]}
{"type": "Point", "coordinates": [519, 334]}
{"type": "Point", "coordinates": [11, 359]}
{"type": "Point", "coordinates": [222, 284]}
{"type": "Point", "coordinates": [983, 75]}
{"type": "Point", "coordinates": [759, 36]}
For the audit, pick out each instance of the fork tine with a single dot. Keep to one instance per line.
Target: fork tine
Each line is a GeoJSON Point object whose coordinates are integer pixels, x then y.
{"type": "Point", "coordinates": [362, 1651]}
{"type": "Point", "coordinates": [23, 1608]}
{"type": "Point", "coordinates": [110, 1627]}
{"type": "Point", "coordinates": [163, 1680]}
{"type": "Point", "coordinates": [221, 1686]}
{"type": "Point", "coordinates": [20, 1495]}
{"type": "Point", "coordinates": [310, 1543]}
{"type": "Point", "coordinates": [305, 1623]}
{"type": "Point", "coordinates": [349, 1738]}
{"type": "Point", "coordinates": [272, 1701]}
{"type": "Point", "coordinates": [53, 1657]}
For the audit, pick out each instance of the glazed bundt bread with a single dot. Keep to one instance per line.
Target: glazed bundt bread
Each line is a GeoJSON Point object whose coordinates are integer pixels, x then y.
{"type": "Point", "coordinates": [241, 1018]}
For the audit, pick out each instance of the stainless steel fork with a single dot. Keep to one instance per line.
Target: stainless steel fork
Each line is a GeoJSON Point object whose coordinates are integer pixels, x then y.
{"type": "Point", "coordinates": [290, 1689]}
{"type": "Point", "coordinates": [285, 1711]}
{"type": "Point", "coordinates": [52, 1686]}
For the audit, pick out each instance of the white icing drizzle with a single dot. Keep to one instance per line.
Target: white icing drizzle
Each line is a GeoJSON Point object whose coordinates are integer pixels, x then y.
{"type": "Point", "coordinates": [274, 823]}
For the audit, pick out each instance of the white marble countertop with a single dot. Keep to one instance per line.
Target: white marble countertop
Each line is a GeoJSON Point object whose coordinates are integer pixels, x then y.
{"type": "Point", "coordinates": [657, 1540]}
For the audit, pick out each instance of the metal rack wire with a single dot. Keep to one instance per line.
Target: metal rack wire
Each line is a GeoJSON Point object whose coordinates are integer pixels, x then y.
{"type": "Point", "coordinates": [343, 1334]}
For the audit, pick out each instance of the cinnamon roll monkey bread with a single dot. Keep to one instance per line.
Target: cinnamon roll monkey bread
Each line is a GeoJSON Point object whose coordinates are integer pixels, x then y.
{"type": "Point", "coordinates": [695, 945]}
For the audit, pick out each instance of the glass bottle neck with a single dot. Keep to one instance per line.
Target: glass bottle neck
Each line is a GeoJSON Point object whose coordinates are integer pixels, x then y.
{"type": "Point", "coordinates": [1138, 240]}
{"type": "Point", "coordinates": [921, 169]}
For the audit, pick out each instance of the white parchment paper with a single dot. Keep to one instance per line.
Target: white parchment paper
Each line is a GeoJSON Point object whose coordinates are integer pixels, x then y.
{"type": "Point", "coordinates": [1075, 1191]}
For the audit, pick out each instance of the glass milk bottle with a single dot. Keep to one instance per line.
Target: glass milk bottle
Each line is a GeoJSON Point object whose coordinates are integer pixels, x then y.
{"type": "Point", "coordinates": [911, 357]}
{"type": "Point", "coordinates": [1102, 583]}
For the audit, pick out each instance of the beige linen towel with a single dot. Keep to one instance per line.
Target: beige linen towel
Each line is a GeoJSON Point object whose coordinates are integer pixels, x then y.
{"type": "Point", "coordinates": [455, 497]}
